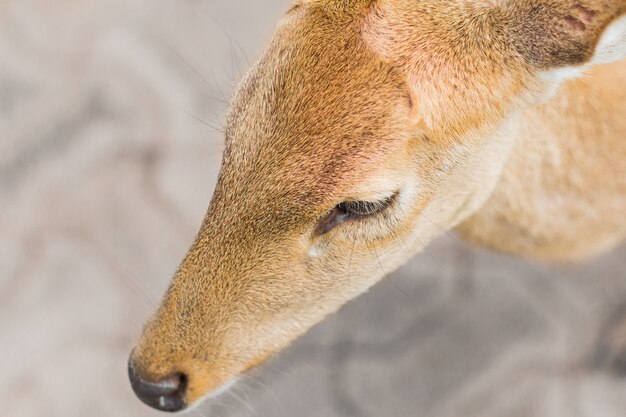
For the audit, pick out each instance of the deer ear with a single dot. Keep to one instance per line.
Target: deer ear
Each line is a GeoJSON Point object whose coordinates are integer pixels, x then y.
{"type": "Point", "coordinates": [562, 34]}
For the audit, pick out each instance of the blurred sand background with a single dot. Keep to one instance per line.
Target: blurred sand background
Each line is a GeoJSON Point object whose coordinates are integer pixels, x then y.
{"type": "Point", "coordinates": [105, 173]}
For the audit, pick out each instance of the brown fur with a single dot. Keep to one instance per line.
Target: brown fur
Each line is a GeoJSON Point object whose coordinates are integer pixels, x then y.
{"type": "Point", "coordinates": [447, 102]}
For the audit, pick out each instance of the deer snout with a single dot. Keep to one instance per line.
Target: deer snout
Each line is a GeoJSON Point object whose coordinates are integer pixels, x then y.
{"type": "Point", "coordinates": [167, 393]}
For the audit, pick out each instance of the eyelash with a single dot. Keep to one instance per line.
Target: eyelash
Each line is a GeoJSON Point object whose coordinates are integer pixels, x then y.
{"type": "Point", "coordinates": [360, 209]}
{"type": "Point", "coordinates": [352, 210]}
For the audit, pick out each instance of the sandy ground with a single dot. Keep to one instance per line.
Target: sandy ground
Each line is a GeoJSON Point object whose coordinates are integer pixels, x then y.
{"type": "Point", "coordinates": [105, 173]}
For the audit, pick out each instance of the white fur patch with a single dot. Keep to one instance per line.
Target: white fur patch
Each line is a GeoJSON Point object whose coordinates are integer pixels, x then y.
{"type": "Point", "coordinates": [563, 74]}
{"type": "Point", "coordinates": [612, 45]}
{"type": "Point", "coordinates": [554, 78]}
{"type": "Point", "coordinates": [315, 251]}
{"type": "Point", "coordinates": [611, 48]}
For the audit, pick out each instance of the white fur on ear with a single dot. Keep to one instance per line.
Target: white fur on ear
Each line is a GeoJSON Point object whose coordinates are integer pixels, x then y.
{"type": "Point", "coordinates": [612, 45]}
{"type": "Point", "coordinates": [554, 78]}
{"type": "Point", "coordinates": [610, 48]}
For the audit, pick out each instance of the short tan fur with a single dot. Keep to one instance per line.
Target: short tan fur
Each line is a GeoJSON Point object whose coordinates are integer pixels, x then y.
{"type": "Point", "coordinates": [502, 118]}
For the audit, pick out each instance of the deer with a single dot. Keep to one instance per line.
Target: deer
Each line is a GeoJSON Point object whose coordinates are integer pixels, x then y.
{"type": "Point", "coordinates": [367, 129]}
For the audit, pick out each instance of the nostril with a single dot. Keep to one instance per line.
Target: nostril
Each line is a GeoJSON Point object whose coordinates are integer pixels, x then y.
{"type": "Point", "coordinates": [165, 394]}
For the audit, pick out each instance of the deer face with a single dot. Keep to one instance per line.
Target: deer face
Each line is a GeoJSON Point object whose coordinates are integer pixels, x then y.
{"type": "Point", "coordinates": [367, 128]}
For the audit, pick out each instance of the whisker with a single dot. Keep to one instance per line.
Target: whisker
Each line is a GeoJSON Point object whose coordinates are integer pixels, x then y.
{"type": "Point", "coordinates": [445, 231]}
{"type": "Point", "coordinates": [217, 85]}
{"type": "Point", "coordinates": [351, 254]}
{"type": "Point", "coordinates": [387, 275]}
{"type": "Point", "coordinates": [331, 238]}
{"type": "Point", "coordinates": [403, 246]}
{"type": "Point", "coordinates": [225, 33]}
{"type": "Point", "coordinates": [425, 247]}
{"type": "Point", "coordinates": [428, 251]}
{"type": "Point", "coordinates": [198, 74]}
{"type": "Point", "coordinates": [234, 63]}
{"type": "Point", "coordinates": [204, 122]}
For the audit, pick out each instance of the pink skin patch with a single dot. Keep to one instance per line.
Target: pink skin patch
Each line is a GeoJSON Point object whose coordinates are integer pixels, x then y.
{"type": "Point", "coordinates": [580, 18]}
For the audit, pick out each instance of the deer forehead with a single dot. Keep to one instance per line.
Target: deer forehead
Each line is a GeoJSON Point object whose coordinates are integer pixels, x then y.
{"type": "Point", "coordinates": [318, 113]}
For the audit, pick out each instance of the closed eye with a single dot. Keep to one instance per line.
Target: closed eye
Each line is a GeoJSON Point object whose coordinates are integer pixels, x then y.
{"type": "Point", "coordinates": [352, 210]}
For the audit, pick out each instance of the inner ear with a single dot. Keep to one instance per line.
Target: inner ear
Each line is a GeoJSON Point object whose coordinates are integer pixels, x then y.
{"type": "Point", "coordinates": [556, 33]}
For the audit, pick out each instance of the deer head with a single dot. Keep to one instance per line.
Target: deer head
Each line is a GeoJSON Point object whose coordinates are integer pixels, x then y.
{"type": "Point", "coordinates": [367, 128]}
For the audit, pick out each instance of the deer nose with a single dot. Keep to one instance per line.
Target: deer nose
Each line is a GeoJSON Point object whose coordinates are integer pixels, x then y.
{"type": "Point", "coordinates": [166, 394]}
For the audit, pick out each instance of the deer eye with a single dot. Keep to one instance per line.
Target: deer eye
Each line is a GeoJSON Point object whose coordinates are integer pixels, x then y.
{"type": "Point", "coordinates": [352, 210]}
